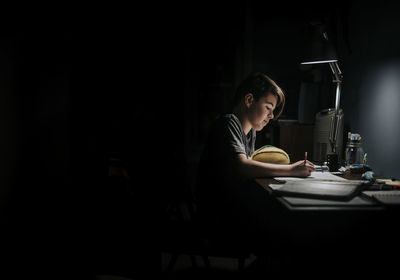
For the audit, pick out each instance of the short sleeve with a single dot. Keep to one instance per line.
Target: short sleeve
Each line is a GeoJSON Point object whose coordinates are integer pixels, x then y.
{"type": "Point", "coordinates": [236, 141]}
{"type": "Point", "coordinates": [230, 136]}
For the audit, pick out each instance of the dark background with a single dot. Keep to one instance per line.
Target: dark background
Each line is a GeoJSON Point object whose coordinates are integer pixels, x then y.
{"type": "Point", "coordinates": [73, 98]}
{"type": "Point", "coordinates": [143, 85]}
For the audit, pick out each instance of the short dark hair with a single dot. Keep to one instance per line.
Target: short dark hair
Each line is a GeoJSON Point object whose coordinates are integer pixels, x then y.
{"type": "Point", "coordinates": [260, 85]}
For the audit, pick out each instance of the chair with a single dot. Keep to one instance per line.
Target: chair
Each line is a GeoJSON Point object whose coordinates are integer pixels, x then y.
{"type": "Point", "coordinates": [184, 236]}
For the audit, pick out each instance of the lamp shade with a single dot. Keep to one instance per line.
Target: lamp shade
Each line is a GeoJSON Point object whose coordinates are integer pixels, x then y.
{"type": "Point", "coordinates": [318, 48]}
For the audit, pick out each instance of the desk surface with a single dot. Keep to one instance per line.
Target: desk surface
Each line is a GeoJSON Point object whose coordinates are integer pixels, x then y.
{"type": "Point", "coordinates": [360, 234]}
{"type": "Point", "coordinates": [361, 202]}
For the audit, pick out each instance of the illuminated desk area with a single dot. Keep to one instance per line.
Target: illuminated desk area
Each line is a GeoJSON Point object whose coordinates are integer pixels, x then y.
{"type": "Point", "coordinates": [363, 201]}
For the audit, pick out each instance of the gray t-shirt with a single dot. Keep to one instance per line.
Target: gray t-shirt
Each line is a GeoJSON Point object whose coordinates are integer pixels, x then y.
{"type": "Point", "coordinates": [237, 141]}
{"type": "Point", "coordinates": [218, 183]}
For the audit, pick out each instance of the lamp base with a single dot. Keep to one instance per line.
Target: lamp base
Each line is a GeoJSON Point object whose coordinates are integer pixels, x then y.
{"type": "Point", "coordinates": [332, 161]}
{"type": "Point", "coordinates": [322, 129]}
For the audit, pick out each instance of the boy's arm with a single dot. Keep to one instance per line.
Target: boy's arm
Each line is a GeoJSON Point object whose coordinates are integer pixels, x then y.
{"type": "Point", "coordinates": [249, 168]}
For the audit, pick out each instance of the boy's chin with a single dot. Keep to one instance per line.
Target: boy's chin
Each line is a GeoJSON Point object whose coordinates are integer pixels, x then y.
{"type": "Point", "coordinates": [259, 128]}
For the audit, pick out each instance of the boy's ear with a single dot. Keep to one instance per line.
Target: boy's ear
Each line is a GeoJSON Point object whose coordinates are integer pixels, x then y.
{"type": "Point", "coordinates": [248, 99]}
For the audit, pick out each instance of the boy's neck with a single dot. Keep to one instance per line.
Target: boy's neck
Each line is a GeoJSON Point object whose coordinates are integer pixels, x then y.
{"type": "Point", "coordinates": [241, 115]}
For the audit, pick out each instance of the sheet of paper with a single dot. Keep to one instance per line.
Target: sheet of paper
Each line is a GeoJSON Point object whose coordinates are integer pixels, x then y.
{"type": "Point", "coordinates": [385, 197]}
{"type": "Point", "coordinates": [314, 175]}
{"type": "Point", "coordinates": [325, 176]}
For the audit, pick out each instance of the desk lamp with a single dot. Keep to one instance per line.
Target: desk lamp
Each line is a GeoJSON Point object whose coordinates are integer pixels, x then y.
{"type": "Point", "coordinates": [321, 51]}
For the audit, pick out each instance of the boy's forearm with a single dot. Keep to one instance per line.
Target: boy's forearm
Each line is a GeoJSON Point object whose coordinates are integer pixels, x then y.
{"type": "Point", "coordinates": [250, 169]}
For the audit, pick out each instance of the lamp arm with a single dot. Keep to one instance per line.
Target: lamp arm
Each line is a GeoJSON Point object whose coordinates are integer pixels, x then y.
{"type": "Point", "coordinates": [335, 121]}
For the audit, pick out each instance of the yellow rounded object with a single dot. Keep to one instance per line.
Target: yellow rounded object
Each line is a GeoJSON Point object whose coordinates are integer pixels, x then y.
{"type": "Point", "coordinates": [271, 154]}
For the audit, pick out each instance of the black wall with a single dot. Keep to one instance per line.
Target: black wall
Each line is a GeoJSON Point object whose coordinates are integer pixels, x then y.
{"type": "Point", "coordinates": [71, 99]}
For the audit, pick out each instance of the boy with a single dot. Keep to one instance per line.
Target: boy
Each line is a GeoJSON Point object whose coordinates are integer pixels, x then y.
{"type": "Point", "coordinates": [225, 192]}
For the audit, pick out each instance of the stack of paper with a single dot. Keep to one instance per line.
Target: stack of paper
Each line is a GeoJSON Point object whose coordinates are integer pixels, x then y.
{"type": "Point", "coordinates": [321, 185]}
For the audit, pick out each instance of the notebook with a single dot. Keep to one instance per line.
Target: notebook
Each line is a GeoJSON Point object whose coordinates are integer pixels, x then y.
{"type": "Point", "coordinates": [316, 188]}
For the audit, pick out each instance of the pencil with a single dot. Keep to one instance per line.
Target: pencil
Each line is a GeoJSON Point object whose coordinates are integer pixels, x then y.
{"type": "Point", "coordinates": [305, 158]}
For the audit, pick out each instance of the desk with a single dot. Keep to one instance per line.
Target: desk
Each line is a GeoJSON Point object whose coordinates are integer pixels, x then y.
{"type": "Point", "coordinates": [340, 235]}
{"type": "Point", "coordinates": [360, 203]}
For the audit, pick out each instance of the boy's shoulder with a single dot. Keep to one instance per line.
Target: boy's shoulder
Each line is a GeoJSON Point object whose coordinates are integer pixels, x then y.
{"type": "Point", "coordinates": [227, 123]}
{"type": "Point", "coordinates": [227, 118]}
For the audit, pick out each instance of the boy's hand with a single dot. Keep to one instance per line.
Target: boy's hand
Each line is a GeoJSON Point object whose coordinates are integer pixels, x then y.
{"type": "Point", "coordinates": [299, 169]}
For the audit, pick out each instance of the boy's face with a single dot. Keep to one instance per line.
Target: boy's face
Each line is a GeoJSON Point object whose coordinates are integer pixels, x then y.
{"type": "Point", "coordinates": [261, 111]}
